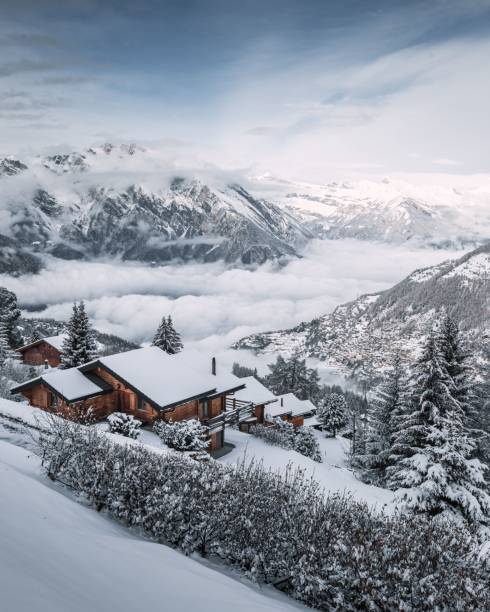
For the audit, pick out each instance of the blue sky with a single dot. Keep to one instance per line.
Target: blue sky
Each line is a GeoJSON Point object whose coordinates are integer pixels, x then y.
{"type": "Point", "coordinates": [305, 88]}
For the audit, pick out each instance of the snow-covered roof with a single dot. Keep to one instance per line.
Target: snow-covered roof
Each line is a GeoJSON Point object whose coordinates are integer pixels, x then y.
{"type": "Point", "coordinates": [254, 392]}
{"type": "Point", "coordinates": [290, 404]}
{"type": "Point", "coordinates": [166, 379]}
{"type": "Point", "coordinates": [54, 341]}
{"type": "Point", "coordinates": [71, 384]}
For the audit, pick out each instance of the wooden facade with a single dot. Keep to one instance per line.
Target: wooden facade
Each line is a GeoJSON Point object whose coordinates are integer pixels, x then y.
{"type": "Point", "coordinates": [39, 353]}
{"type": "Point", "coordinates": [121, 398]}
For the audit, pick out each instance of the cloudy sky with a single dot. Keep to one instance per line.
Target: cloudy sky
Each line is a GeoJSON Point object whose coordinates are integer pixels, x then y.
{"type": "Point", "coordinates": [304, 88]}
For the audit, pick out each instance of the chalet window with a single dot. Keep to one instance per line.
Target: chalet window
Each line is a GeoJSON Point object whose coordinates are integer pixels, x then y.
{"type": "Point", "coordinates": [141, 404]}
{"type": "Point", "coordinates": [53, 400]}
{"type": "Point", "coordinates": [205, 408]}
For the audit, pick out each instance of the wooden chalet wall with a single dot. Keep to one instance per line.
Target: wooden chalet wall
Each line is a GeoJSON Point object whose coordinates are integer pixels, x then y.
{"type": "Point", "coordinates": [37, 355]}
{"type": "Point", "coordinates": [124, 399]}
{"type": "Point", "coordinates": [41, 396]}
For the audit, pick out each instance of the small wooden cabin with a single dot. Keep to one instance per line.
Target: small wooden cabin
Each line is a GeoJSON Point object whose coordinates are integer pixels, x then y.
{"type": "Point", "coordinates": [46, 350]}
{"type": "Point", "coordinates": [147, 383]}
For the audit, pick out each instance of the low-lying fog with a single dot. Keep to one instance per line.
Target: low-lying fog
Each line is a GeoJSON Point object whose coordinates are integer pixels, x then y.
{"type": "Point", "coordinates": [214, 305]}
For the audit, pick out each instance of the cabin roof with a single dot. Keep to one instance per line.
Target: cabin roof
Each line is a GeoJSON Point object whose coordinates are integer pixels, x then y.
{"type": "Point", "coordinates": [255, 392]}
{"type": "Point", "coordinates": [54, 341]}
{"type": "Point", "coordinates": [72, 385]}
{"type": "Point", "coordinates": [166, 380]}
{"type": "Point", "coordinates": [291, 405]}
{"type": "Point", "coordinates": [161, 379]}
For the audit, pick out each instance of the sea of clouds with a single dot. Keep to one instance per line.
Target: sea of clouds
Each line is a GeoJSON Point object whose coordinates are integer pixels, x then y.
{"type": "Point", "coordinates": [214, 305]}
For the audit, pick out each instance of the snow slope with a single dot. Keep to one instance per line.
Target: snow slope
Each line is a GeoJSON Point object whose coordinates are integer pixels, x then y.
{"type": "Point", "coordinates": [59, 556]}
{"type": "Point", "coordinates": [333, 474]}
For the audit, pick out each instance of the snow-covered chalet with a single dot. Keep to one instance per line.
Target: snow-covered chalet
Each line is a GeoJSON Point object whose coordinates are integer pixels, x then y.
{"type": "Point", "coordinates": [150, 384]}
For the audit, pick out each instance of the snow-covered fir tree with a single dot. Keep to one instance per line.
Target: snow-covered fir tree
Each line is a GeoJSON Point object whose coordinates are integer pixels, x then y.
{"type": "Point", "coordinates": [386, 410]}
{"type": "Point", "coordinates": [456, 362]}
{"type": "Point", "coordinates": [437, 473]}
{"type": "Point", "coordinates": [10, 313]}
{"type": "Point", "coordinates": [5, 350]}
{"type": "Point", "coordinates": [176, 344]}
{"type": "Point", "coordinates": [167, 338]}
{"type": "Point", "coordinates": [293, 376]}
{"type": "Point", "coordinates": [79, 346]}
{"type": "Point", "coordinates": [332, 413]}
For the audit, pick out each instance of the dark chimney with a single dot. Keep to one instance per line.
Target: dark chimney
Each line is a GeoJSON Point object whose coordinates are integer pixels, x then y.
{"type": "Point", "coordinates": [46, 364]}
{"type": "Point", "coordinates": [213, 366]}
{"type": "Point", "coordinates": [282, 402]}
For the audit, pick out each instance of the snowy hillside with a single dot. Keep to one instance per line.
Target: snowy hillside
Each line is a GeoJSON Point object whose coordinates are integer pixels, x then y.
{"type": "Point", "coordinates": [124, 202]}
{"type": "Point", "coordinates": [59, 556]}
{"type": "Point", "coordinates": [389, 210]}
{"type": "Point", "coordinates": [367, 330]}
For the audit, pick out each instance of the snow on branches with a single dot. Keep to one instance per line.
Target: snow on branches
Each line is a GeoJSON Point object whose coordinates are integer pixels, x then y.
{"type": "Point", "coordinates": [124, 424]}
{"type": "Point", "coordinates": [284, 434]}
{"type": "Point", "coordinates": [188, 435]}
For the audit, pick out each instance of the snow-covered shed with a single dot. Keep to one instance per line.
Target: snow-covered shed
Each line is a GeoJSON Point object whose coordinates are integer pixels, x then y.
{"type": "Point", "coordinates": [45, 350]}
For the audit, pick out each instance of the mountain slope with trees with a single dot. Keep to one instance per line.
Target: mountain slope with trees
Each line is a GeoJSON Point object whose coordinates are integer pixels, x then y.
{"type": "Point", "coordinates": [360, 337]}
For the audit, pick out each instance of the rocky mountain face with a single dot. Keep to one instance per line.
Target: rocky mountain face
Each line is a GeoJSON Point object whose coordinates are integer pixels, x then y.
{"type": "Point", "coordinates": [362, 335]}
{"type": "Point", "coordinates": [389, 210]}
{"type": "Point", "coordinates": [116, 202]}
{"type": "Point", "coordinates": [125, 202]}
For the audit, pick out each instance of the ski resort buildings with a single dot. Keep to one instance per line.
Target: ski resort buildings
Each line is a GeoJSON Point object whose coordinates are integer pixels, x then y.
{"type": "Point", "coordinates": [150, 384]}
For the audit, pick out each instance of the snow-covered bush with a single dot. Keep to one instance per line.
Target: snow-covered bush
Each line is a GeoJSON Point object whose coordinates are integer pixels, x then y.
{"type": "Point", "coordinates": [305, 443]}
{"type": "Point", "coordinates": [331, 552]}
{"type": "Point", "coordinates": [188, 435]}
{"type": "Point", "coordinates": [13, 372]}
{"type": "Point", "coordinates": [124, 424]}
{"type": "Point", "coordinates": [284, 434]}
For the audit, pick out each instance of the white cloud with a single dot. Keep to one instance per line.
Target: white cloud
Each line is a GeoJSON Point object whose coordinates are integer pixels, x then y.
{"type": "Point", "coordinates": [444, 161]}
{"type": "Point", "coordinates": [214, 305]}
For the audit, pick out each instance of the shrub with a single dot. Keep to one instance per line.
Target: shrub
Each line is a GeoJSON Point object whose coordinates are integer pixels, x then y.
{"type": "Point", "coordinates": [331, 552]}
{"type": "Point", "coordinates": [188, 435]}
{"type": "Point", "coordinates": [124, 424]}
{"type": "Point", "coordinates": [284, 434]}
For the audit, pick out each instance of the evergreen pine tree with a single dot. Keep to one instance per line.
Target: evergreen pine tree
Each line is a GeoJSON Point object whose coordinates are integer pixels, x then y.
{"type": "Point", "coordinates": [79, 346]}
{"type": "Point", "coordinates": [332, 414]}
{"type": "Point", "coordinates": [292, 376]}
{"type": "Point", "coordinates": [10, 313]}
{"type": "Point", "coordinates": [175, 340]}
{"type": "Point", "coordinates": [437, 474]}
{"type": "Point", "coordinates": [384, 416]}
{"type": "Point", "coordinates": [456, 362]}
{"type": "Point", "coordinates": [5, 351]}
{"type": "Point", "coordinates": [167, 338]}
{"type": "Point", "coordinates": [160, 339]}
